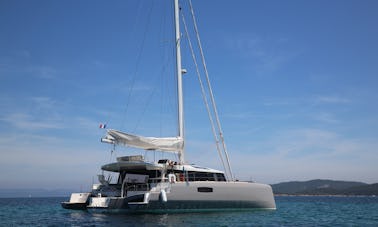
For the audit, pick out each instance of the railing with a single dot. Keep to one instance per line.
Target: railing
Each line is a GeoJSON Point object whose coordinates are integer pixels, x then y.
{"type": "Point", "coordinates": [158, 180]}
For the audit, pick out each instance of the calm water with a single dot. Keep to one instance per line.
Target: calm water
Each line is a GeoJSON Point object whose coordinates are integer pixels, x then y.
{"type": "Point", "coordinates": [292, 211]}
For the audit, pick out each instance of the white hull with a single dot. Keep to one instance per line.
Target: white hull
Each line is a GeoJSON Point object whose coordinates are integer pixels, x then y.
{"type": "Point", "coordinates": [191, 196]}
{"type": "Point", "coordinates": [254, 194]}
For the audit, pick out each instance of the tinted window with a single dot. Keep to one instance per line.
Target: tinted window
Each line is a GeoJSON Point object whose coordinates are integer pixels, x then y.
{"type": "Point", "coordinates": [204, 189]}
{"type": "Point", "coordinates": [220, 177]}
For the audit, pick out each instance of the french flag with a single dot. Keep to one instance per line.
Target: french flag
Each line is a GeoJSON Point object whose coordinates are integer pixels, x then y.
{"type": "Point", "coordinates": [102, 125]}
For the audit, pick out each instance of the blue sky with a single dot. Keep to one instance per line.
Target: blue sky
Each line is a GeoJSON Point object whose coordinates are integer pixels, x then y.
{"type": "Point", "coordinates": [295, 82]}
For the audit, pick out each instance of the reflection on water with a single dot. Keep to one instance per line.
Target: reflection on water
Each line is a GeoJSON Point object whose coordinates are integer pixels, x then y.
{"type": "Point", "coordinates": [163, 220]}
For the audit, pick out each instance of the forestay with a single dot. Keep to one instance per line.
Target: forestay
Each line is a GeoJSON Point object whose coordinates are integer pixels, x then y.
{"type": "Point", "coordinates": [171, 144]}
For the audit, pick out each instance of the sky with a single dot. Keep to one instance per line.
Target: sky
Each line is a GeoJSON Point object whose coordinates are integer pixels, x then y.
{"type": "Point", "coordinates": [295, 83]}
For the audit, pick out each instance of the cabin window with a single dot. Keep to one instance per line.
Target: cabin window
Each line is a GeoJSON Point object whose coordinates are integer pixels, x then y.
{"type": "Point", "coordinates": [199, 176]}
{"type": "Point", "coordinates": [163, 161]}
{"type": "Point", "coordinates": [203, 176]}
{"type": "Point", "coordinates": [220, 177]}
{"type": "Point", "coordinates": [152, 174]}
{"type": "Point", "coordinates": [191, 176]}
{"type": "Point", "coordinates": [204, 189]}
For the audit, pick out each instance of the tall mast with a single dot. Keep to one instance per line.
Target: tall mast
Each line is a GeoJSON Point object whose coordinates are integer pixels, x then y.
{"type": "Point", "coordinates": [179, 80]}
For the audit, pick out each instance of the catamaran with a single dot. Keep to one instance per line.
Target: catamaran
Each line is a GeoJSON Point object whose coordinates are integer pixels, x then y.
{"type": "Point", "coordinates": [171, 185]}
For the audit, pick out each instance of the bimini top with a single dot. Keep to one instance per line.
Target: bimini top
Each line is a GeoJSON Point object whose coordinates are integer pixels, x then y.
{"type": "Point", "coordinates": [138, 163]}
{"type": "Point", "coordinates": [131, 165]}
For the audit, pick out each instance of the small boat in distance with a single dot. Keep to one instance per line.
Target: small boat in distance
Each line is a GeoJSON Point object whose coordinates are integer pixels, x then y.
{"type": "Point", "coordinates": [169, 185]}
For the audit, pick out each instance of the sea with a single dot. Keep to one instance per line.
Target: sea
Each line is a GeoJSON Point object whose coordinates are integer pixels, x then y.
{"type": "Point", "coordinates": [291, 211]}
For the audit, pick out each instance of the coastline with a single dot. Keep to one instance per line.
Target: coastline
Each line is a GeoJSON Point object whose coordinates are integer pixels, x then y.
{"type": "Point", "coordinates": [322, 195]}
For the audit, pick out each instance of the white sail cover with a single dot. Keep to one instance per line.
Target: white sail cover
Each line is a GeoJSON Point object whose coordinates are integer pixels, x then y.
{"type": "Point", "coordinates": [172, 144]}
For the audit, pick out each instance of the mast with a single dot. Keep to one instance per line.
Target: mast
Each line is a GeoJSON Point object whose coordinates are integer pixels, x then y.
{"type": "Point", "coordinates": [179, 81]}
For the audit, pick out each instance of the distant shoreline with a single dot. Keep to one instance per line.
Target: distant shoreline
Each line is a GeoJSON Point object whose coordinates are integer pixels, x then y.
{"type": "Point", "coordinates": [325, 195]}
{"type": "Point", "coordinates": [324, 187]}
{"type": "Point", "coordinates": [32, 197]}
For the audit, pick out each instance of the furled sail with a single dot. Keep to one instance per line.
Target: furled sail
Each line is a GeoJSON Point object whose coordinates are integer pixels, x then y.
{"type": "Point", "coordinates": [172, 144]}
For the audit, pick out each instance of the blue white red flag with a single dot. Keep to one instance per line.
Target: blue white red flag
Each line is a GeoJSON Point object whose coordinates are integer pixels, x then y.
{"type": "Point", "coordinates": [102, 125]}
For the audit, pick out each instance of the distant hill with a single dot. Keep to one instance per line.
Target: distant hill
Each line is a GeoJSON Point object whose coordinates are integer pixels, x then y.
{"type": "Point", "coordinates": [325, 187]}
{"type": "Point", "coordinates": [370, 189]}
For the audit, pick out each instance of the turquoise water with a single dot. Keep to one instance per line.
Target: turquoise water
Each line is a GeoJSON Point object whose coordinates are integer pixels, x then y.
{"type": "Point", "coordinates": [291, 211]}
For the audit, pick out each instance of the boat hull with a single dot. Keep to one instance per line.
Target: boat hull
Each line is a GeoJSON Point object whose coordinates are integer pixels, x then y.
{"type": "Point", "coordinates": [196, 197]}
{"type": "Point", "coordinates": [74, 206]}
{"type": "Point", "coordinates": [243, 194]}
